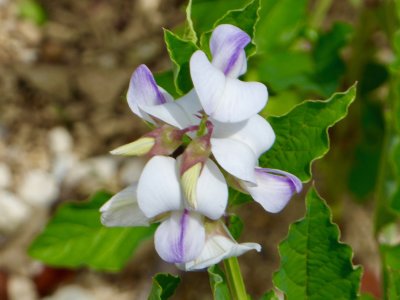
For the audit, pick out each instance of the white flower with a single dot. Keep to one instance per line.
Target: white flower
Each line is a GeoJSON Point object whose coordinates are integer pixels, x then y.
{"type": "Point", "coordinates": [158, 196]}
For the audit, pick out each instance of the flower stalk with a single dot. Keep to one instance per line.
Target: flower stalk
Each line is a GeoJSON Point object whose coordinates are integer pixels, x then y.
{"type": "Point", "coordinates": [235, 279]}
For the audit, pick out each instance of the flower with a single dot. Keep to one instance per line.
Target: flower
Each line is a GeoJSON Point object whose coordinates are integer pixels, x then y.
{"type": "Point", "coordinates": [224, 97]}
{"type": "Point", "coordinates": [158, 197]}
{"type": "Point", "coordinates": [236, 146]}
{"type": "Point", "coordinates": [274, 188]}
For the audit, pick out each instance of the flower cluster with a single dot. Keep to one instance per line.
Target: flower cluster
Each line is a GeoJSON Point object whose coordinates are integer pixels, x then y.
{"type": "Point", "coordinates": [209, 136]}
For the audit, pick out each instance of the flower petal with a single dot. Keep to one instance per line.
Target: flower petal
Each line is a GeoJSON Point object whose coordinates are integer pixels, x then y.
{"type": "Point", "coordinates": [180, 238]}
{"type": "Point", "coordinates": [225, 99]}
{"type": "Point", "coordinates": [255, 132]}
{"type": "Point", "coordinates": [212, 191]}
{"type": "Point", "coordinates": [274, 188]}
{"type": "Point", "coordinates": [190, 103]}
{"type": "Point", "coordinates": [171, 113]}
{"type": "Point", "coordinates": [227, 47]}
{"type": "Point", "coordinates": [217, 248]}
{"type": "Point", "coordinates": [235, 157]}
{"type": "Point", "coordinates": [158, 189]}
{"type": "Point", "coordinates": [143, 90]}
{"type": "Point", "coordinates": [122, 210]}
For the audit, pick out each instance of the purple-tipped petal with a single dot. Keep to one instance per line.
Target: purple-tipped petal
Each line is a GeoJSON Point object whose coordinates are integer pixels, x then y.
{"type": "Point", "coordinates": [180, 238]}
{"type": "Point", "coordinates": [143, 91]}
{"type": "Point", "coordinates": [227, 47]}
{"type": "Point", "coordinates": [274, 188]}
{"type": "Point", "coordinates": [223, 98]}
{"type": "Point", "coordinates": [158, 189]}
{"type": "Point", "coordinates": [255, 132]}
{"type": "Point", "coordinates": [212, 191]}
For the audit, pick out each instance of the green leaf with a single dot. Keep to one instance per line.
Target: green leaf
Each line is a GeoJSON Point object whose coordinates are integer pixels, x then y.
{"type": "Point", "coordinates": [180, 51]}
{"type": "Point", "coordinates": [218, 283]}
{"type": "Point", "coordinates": [314, 264]}
{"type": "Point", "coordinates": [328, 64]}
{"type": "Point", "coordinates": [281, 23]}
{"type": "Point", "coordinates": [302, 134]}
{"type": "Point", "coordinates": [204, 13]}
{"type": "Point", "coordinates": [190, 33]}
{"type": "Point", "coordinates": [74, 238]}
{"type": "Point", "coordinates": [269, 296]}
{"type": "Point", "coordinates": [235, 226]}
{"type": "Point", "coordinates": [245, 18]}
{"type": "Point", "coordinates": [366, 297]}
{"type": "Point", "coordinates": [286, 69]}
{"type": "Point", "coordinates": [166, 81]}
{"type": "Point", "coordinates": [164, 286]}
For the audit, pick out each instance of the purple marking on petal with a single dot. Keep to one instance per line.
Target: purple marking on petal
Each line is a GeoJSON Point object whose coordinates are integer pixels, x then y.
{"type": "Point", "coordinates": [144, 75]}
{"type": "Point", "coordinates": [294, 183]}
{"type": "Point", "coordinates": [227, 47]}
{"type": "Point", "coordinates": [181, 243]}
{"type": "Point", "coordinates": [241, 43]}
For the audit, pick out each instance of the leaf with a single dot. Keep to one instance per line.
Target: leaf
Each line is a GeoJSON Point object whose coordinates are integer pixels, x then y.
{"type": "Point", "coordinates": [74, 238]}
{"type": "Point", "coordinates": [164, 286]}
{"type": "Point", "coordinates": [280, 24]}
{"type": "Point", "coordinates": [302, 134]}
{"type": "Point", "coordinates": [180, 51]}
{"type": "Point", "coordinates": [204, 13]}
{"type": "Point", "coordinates": [190, 33]}
{"type": "Point", "coordinates": [269, 296]}
{"type": "Point", "coordinates": [245, 18]}
{"type": "Point", "coordinates": [218, 283]}
{"type": "Point", "coordinates": [166, 81]}
{"type": "Point", "coordinates": [329, 66]}
{"type": "Point", "coordinates": [314, 264]}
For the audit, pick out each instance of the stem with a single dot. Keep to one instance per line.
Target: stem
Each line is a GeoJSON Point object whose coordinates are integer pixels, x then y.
{"type": "Point", "coordinates": [234, 278]}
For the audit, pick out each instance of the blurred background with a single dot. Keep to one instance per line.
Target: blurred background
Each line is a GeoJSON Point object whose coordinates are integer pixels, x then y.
{"type": "Point", "coordinates": [64, 70]}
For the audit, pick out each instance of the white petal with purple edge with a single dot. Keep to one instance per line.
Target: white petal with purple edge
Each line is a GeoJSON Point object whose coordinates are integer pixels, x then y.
{"type": "Point", "coordinates": [158, 189]}
{"type": "Point", "coordinates": [235, 157]}
{"type": "Point", "coordinates": [256, 132]}
{"type": "Point", "coordinates": [225, 99]}
{"type": "Point", "coordinates": [143, 90]}
{"type": "Point", "coordinates": [274, 188]}
{"type": "Point", "coordinates": [122, 210]}
{"type": "Point", "coordinates": [212, 191]}
{"type": "Point", "coordinates": [227, 47]}
{"type": "Point", "coordinates": [180, 238]}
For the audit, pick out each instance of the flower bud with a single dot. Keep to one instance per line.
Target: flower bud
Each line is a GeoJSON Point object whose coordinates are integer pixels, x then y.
{"type": "Point", "coordinates": [193, 160]}
{"type": "Point", "coordinates": [161, 141]}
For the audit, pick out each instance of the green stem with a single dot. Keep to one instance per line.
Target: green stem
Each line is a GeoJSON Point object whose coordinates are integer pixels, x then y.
{"type": "Point", "coordinates": [234, 278]}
